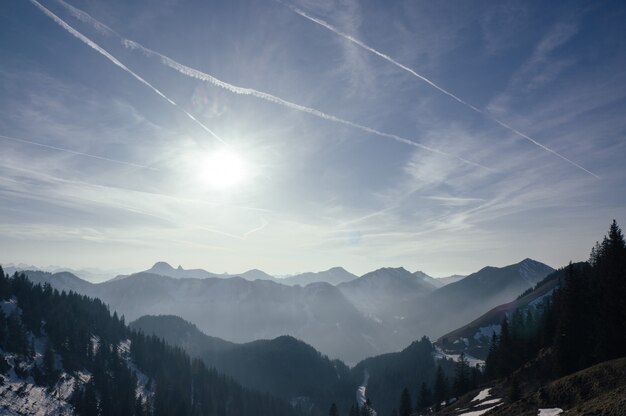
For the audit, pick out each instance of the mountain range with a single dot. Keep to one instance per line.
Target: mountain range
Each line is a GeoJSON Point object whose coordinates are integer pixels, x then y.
{"type": "Point", "coordinates": [379, 312]}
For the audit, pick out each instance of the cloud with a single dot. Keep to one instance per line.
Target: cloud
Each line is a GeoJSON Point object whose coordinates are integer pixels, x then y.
{"type": "Point", "coordinates": [115, 61]}
{"type": "Point", "coordinates": [60, 149]}
{"type": "Point", "coordinates": [434, 85]}
{"type": "Point", "coordinates": [197, 74]}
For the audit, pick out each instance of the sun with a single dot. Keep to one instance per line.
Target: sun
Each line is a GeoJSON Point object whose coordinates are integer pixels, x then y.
{"type": "Point", "coordinates": [222, 169]}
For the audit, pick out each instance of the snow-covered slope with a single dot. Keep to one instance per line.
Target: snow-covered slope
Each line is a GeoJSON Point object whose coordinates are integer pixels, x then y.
{"type": "Point", "coordinates": [21, 395]}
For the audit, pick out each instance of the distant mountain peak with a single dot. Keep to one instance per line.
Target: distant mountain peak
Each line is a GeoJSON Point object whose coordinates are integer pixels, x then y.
{"type": "Point", "coordinates": [390, 269]}
{"type": "Point", "coordinates": [162, 265]}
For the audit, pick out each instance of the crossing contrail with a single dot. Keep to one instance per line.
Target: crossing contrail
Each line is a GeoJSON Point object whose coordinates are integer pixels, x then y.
{"type": "Point", "coordinates": [431, 83]}
{"type": "Point", "coordinates": [205, 77]}
{"type": "Point", "coordinates": [61, 149]}
{"type": "Point", "coordinates": [115, 61]}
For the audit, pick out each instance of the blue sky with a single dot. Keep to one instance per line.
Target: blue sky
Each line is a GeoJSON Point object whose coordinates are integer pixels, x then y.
{"type": "Point", "coordinates": [348, 158]}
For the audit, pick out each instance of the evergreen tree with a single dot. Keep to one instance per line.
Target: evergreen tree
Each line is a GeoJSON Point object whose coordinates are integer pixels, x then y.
{"type": "Point", "coordinates": [504, 350]}
{"type": "Point", "coordinates": [405, 408]}
{"type": "Point", "coordinates": [461, 376]}
{"type": "Point", "coordinates": [425, 397]}
{"type": "Point", "coordinates": [440, 392]}
{"type": "Point", "coordinates": [49, 368]}
{"type": "Point", "coordinates": [333, 410]}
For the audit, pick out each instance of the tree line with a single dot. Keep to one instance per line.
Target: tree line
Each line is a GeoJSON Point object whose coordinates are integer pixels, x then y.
{"type": "Point", "coordinates": [82, 337]}
{"type": "Point", "coordinates": [583, 323]}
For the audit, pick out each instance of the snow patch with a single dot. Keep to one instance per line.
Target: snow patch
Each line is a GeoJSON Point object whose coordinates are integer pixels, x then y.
{"type": "Point", "coordinates": [550, 412]}
{"type": "Point", "coordinates": [479, 412]}
{"type": "Point", "coordinates": [487, 331]}
{"type": "Point", "coordinates": [440, 354]}
{"type": "Point", "coordinates": [492, 401]}
{"type": "Point", "coordinates": [142, 379]}
{"type": "Point", "coordinates": [482, 395]}
{"type": "Point", "coordinates": [360, 396]}
{"type": "Point", "coordinates": [21, 397]}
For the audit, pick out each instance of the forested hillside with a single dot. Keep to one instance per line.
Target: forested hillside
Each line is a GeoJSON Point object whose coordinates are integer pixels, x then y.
{"type": "Point", "coordinates": [283, 367]}
{"type": "Point", "coordinates": [584, 323]}
{"type": "Point", "coordinates": [65, 353]}
{"type": "Point", "coordinates": [567, 352]}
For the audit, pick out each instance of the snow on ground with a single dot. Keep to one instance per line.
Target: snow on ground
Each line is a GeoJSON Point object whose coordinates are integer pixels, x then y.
{"type": "Point", "coordinates": [472, 361]}
{"type": "Point", "coordinates": [482, 395]}
{"type": "Point", "coordinates": [361, 400]}
{"type": "Point", "coordinates": [22, 397]}
{"type": "Point", "coordinates": [360, 396]}
{"type": "Point", "coordinates": [142, 379]}
{"type": "Point", "coordinates": [479, 412]}
{"type": "Point", "coordinates": [478, 404]}
{"type": "Point", "coordinates": [487, 331]}
{"type": "Point", "coordinates": [550, 412]}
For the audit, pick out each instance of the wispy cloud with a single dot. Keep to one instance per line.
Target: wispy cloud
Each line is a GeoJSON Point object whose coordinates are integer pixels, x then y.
{"type": "Point", "coordinates": [197, 74]}
{"type": "Point", "coordinates": [115, 61]}
{"type": "Point", "coordinates": [432, 84]}
{"type": "Point", "coordinates": [541, 68]}
{"type": "Point", "coordinates": [60, 149]}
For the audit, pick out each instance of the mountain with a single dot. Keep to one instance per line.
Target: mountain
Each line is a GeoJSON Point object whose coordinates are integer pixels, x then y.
{"type": "Point", "coordinates": [334, 276]}
{"type": "Point", "coordinates": [283, 367]}
{"type": "Point", "coordinates": [241, 311]}
{"type": "Point", "coordinates": [495, 283]}
{"type": "Point", "coordinates": [62, 281]}
{"type": "Point", "coordinates": [91, 274]}
{"type": "Point", "coordinates": [443, 281]}
{"type": "Point", "coordinates": [428, 280]}
{"type": "Point", "coordinates": [374, 292]}
{"type": "Point", "coordinates": [387, 374]}
{"type": "Point", "coordinates": [178, 332]}
{"type": "Point", "coordinates": [64, 354]}
{"type": "Point", "coordinates": [453, 305]}
{"type": "Point", "coordinates": [165, 269]}
{"type": "Point", "coordinates": [378, 312]}
{"type": "Point", "coordinates": [568, 354]}
{"type": "Point", "coordinates": [474, 338]}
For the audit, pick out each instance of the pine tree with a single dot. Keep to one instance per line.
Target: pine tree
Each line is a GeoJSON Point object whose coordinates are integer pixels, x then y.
{"type": "Point", "coordinates": [49, 368]}
{"type": "Point", "coordinates": [491, 363]}
{"type": "Point", "coordinates": [440, 393]}
{"type": "Point", "coordinates": [425, 398]}
{"type": "Point", "coordinates": [504, 349]}
{"type": "Point", "coordinates": [405, 408]}
{"type": "Point", "coordinates": [333, 410]}
{"type": "Point", "coordinates": [461, 376]}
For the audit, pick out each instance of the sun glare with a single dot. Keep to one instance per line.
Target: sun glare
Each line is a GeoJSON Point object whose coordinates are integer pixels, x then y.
{"type": "Point", "coordinates": [222, 169]}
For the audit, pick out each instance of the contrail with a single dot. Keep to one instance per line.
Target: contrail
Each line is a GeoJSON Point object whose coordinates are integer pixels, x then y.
{"type": "Point", "coordinates": [429, 82]}
{"type": "Point", "coordinates": [113, 59]}
{"type": "Point", "coordinates": [47, 146]}
{"type": "Point", "coordinates": [202, 76]}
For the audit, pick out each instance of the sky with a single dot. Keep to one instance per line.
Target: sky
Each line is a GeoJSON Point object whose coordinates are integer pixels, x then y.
{"type": "Point", "coordinates": [298, 135]}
